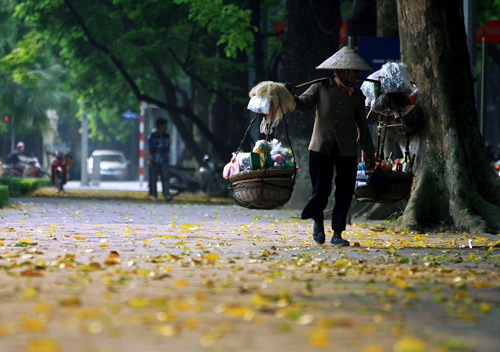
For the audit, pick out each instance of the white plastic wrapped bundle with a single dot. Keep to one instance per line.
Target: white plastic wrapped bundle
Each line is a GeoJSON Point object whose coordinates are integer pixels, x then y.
{"type": "Point", "coordinates": [398, 93]}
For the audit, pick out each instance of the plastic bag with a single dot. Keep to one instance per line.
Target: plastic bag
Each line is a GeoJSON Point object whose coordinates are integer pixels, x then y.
{"type": "Point", "coordinates": [231, 168]}
{"type": "Point", "coordinates": [273, 100]}
{"type": "Point", "coordinates": [395, 78]}
{"type": "Point", "coordinates": [260, 105]}
{"type": "Point", "coordinates": [398, 93]}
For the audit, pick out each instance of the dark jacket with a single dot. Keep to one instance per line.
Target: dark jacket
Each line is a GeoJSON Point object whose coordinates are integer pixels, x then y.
{"type": "Point", "coordinates": [338, 117]}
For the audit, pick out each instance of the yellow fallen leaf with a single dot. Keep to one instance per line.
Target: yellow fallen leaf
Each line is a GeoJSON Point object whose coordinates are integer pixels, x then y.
{"type": "Point", "coordinates": [191, 323]}
{"type": "Point", "coordinates": [186, 225]}
{"type": "Point", "coordinates": [32, 323]}
{"type": "Point", "coordinates": [104, 245]}
{"type": "Point", "coordinates": [111, 261]}
{"type": "Point", "coordinates": [211, 256]}
{"type": "Point", "coordinates": [181, 305]}
{"type": "Point", "coordinates": [69, 301]}
{"type": "Point", "coordinates": [43, 307]}
{"type": "Point", "coordinates": [138, 302]}
{"type": "Point", "coordinates": [180, 283]}
{"type": "Point", "coordinates": [410, 344]}
{"type": "Point", "coordinates": [79, 238]}
{"type": "Point", "coordinates": [29, 293]}
{"type": "Point", "coordinates": [42, 344]}
{"type": "Point", "coordinates": [485, 307]}
{"type": "Point", "coordinates": [373, 348]}
{"type": "Point", "coordinates": [319, 337]}
{"type": "Point", "coordinates": [167, 330]}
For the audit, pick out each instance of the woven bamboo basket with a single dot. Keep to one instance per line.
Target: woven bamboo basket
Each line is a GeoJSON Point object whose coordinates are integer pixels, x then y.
{"type": "Point", "coordinates": [262, 193]}
{"type": "Point", "coordinates": [391, 188]}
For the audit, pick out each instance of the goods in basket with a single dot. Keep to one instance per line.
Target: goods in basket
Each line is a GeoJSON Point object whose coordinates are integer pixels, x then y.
{"type": "Point", "coordinates": [395, 95]}
{"type": "Point", "coordinates": [265, 154]}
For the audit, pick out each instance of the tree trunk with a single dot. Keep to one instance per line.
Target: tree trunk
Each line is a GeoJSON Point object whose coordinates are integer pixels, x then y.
{"type": "Point", "coordinates": [311, 36]}
{"type": "Point", "coordinates": [453, 184]}
{"type": "Point", "coordinates": [387, 18]}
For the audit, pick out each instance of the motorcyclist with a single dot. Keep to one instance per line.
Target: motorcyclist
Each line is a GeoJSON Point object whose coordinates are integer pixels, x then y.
{"type": "Point", "coordinates": [19, 161]}
{"type": "Point", "coordinates": [60, 161]}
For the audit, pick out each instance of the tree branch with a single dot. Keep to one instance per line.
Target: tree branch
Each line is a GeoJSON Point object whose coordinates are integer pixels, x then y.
{"type": "Point", "coordinates": [105, 50]}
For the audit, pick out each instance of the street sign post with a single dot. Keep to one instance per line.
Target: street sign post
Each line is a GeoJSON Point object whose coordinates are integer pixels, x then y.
{"type": "Point", "coordinates": [129, 115]}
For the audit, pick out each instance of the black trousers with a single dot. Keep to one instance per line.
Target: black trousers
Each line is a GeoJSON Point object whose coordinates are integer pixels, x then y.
{"type": "Point", "coordinates": [321, 169]}
{"type": "Point", "coordinates": [162, 170]}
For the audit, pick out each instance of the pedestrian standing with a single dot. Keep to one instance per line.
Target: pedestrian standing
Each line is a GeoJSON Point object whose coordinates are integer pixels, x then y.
{"type": "Point", "coordinates": [339, 125]}
{"type": "Point", "coordinates": [158, 149]}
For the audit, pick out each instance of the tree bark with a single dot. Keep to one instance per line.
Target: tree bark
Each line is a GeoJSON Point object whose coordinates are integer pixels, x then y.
{"type": "Point", "coordinates": [453, 184]}
{"type": "Point", "coordinates": [387, 18]}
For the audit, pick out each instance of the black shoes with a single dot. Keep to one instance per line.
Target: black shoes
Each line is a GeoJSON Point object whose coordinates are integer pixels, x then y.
{"type": "Point", "coordinates": [319, 236]}
{"type": "Point", "coordinates": [318, 233]}
{"type": "Point", "coordinates": [337, 240]}
{"type": "Point", "coordinates": [168, 199]}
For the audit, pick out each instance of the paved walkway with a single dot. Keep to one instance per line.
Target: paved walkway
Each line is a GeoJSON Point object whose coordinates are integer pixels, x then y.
{"type": "Point", "coordinates": [105, 275]}
{"type": "Point", "coordinates": [111, 185]}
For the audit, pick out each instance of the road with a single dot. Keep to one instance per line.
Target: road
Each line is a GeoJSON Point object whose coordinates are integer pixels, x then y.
{"type": "Point", "coordinates": [118, 276]}
{"type": "Point", "coordinates": [111, 185]}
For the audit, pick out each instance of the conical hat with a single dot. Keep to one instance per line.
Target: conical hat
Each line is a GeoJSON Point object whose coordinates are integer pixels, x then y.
{"type": "Point", "coordinates": [345, 59]}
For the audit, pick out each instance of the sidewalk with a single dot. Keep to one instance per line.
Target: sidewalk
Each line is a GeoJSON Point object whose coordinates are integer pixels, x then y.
{"type": "Point", "coordinates": [87, 275]}
{"type": "Point", "coordinates": [123, 190]}
{"type": "Point", "coordinates": [110, 185]}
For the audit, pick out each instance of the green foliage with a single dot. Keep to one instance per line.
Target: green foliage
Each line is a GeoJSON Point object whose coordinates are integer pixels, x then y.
{"type": "Point", "coordinates": [394, 216]}
{"type": "Point", "coordinates": [115, 53]}
{"type": "Point", "coordinates": [4, 195]}
{"type": "Point", "coordinates": [230, 21]}
{"type": "Point", "coordinates": [30, 79]}
{"type": "Point", "coordinates": [487, 10]}
{"type": "Point", "coordinates": [23, 186]}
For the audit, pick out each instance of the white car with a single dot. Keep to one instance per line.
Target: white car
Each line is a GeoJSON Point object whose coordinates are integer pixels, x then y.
{"type": "Point", "coordinates": [113, 164]}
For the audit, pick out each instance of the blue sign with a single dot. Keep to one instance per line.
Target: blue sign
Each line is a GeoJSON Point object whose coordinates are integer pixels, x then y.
{"type": "Point", "coordinates": [130, 115]}
{"type": "Point", "coordinates": [377, 51]}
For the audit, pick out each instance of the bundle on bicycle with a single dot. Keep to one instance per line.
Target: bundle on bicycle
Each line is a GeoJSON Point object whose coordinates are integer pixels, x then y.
{"type": "Point", "coordinates": [390, 91]}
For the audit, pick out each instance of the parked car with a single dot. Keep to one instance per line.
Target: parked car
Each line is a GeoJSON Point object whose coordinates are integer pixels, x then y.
{"type": "Point", "coordinates": [113, 164]}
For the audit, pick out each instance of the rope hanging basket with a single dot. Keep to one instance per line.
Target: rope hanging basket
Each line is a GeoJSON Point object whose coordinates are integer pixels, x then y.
{"type": "Point", "coordinates": [383, 186]}
{"type": "Point", "coordinates": [267, 186]}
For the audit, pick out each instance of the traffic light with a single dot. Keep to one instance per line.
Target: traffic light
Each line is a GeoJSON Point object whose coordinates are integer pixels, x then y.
{"type": "Point", "coordinates": [6, 118]}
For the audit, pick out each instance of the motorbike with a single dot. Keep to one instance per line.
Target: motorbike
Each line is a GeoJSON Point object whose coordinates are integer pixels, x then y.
{"type": "Point", "coordinates": [210, 179]}
{"type": "Point", "coordinates": [11, 170]}
{"type": "Point", "coordinates": [59, 169]}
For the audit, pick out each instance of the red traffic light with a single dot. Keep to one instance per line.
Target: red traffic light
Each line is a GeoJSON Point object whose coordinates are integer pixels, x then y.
{"type": "Point", "coordinates": [6, 118]}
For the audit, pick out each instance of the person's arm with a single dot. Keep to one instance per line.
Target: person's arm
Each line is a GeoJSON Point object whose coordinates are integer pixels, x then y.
{"type": "Point", "coordinates": [23, 159]}
{"type": "Point", "coordinates": [307, 100]}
